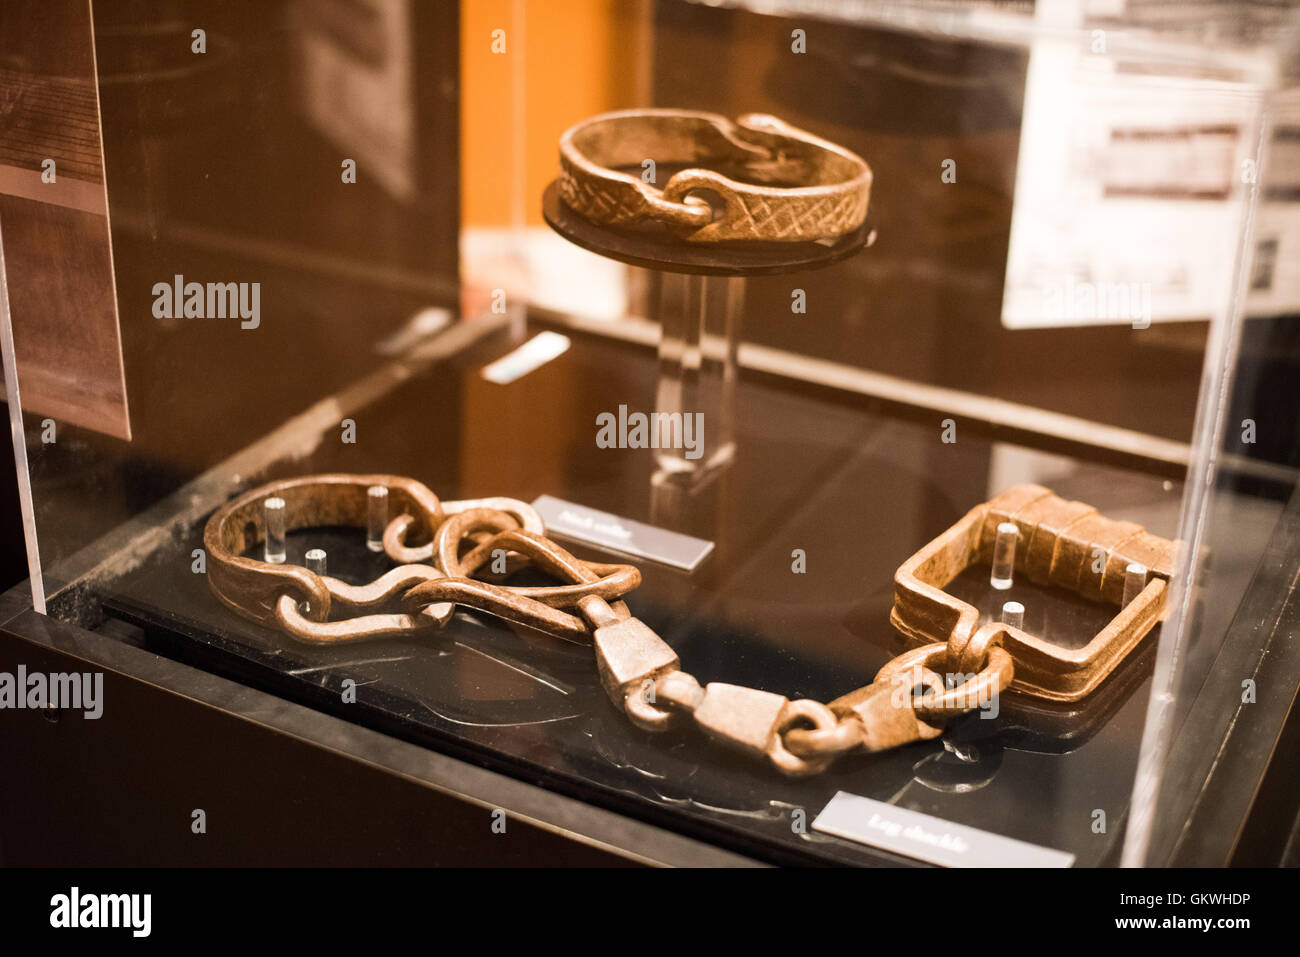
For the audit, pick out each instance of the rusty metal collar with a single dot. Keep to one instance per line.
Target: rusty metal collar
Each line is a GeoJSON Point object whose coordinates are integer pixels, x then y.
{"type": "Point", "coordinates": [798, 188]}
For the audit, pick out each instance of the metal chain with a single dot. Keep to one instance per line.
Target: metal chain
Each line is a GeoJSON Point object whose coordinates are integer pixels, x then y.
{"type": "Point", "coordinates": [909, 699]}
{"type": "Point", "coordinates": [642, 675]}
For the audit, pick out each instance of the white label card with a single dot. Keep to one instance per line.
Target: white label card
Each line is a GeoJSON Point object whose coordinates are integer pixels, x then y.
{"type": "Point", "coordinates": [928, 838]}
{"type": "Point", "coordinates": [618, 534]}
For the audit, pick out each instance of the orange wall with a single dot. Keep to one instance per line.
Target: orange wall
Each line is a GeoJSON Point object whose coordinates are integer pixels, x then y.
{"type": "Point", "coordinates": [579, 57]}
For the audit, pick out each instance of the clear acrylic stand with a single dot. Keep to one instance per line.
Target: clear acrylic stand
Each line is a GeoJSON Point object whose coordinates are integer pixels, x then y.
{"type": "Point", "coordinates": [697, 294]}
{"type": "Point", "coordinates": [695, 396]}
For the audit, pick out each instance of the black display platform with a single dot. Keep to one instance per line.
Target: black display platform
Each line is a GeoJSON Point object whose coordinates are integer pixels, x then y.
{"type": "Point", "coordinates": [857, 490]}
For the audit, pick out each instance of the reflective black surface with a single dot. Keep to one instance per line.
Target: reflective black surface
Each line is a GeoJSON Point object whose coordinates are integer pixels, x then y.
{"type": "Point", "coordinates": [856, 490]}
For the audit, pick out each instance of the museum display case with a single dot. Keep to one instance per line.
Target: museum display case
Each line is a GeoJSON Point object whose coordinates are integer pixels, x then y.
{"type": "Point", "coordinates": [762, 431]}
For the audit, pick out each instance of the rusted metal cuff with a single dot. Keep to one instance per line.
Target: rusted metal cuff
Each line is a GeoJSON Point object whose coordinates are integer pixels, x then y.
{"type": "Point", "coordinates": [255, 588]}
{"type": "Point", "coordinates": [792, 186]}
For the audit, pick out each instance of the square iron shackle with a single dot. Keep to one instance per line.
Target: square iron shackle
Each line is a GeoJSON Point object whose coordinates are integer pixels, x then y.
{"type": "Point", "coordinates": [1058, 543]}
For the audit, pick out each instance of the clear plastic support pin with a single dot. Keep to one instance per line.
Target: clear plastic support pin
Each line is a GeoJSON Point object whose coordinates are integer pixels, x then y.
{"type": "Point", "coordinates": [1013, 614]}
{"type": "Point", "coordinates": [316, 560]}
{"type": "Point", "coordinates": [1135, 579]}
{"type": "Point", "coordinates": [376, 517]}
{"type": "Point", "coordinates": [274, 509]}
{"type": "Point", "coordinates": [1004, 556]}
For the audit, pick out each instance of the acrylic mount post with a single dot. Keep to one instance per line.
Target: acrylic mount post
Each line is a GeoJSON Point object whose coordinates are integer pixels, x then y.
{"type": "Point", "coordinates": [697, 294]}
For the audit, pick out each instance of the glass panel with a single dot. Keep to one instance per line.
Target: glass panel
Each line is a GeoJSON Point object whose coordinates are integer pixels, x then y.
{"type": "Point", "coordinates": [1226, 676]}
